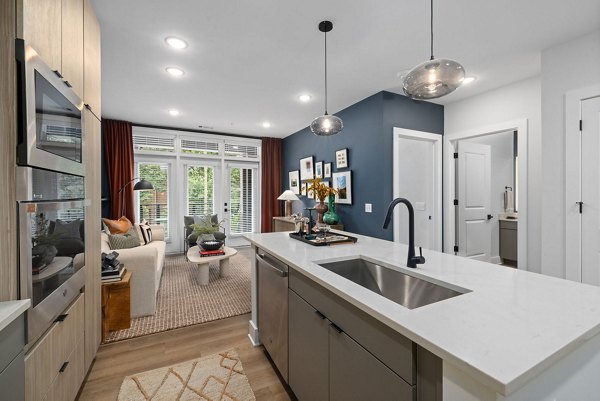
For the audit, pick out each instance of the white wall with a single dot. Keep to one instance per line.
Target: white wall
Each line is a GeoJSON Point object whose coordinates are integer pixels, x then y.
{"type": "Point", "coordinates": [502, 175]}
{"type": "Point", "coordinates": [566, 67]}
{"type": "Point", "coordinates": [512, 102]}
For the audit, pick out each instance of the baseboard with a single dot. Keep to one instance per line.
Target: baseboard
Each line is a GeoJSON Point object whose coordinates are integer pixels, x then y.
{"type": "Point", "coordinates": [253, 334]}
{"type": "Point", "coordinates": [496, 260]}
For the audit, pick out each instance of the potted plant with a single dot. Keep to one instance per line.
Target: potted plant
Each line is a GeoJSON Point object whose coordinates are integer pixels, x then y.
{"type": "Point", "coordinates": [321, 191]}
{"type": "Point", "coordinates": [206, 229]}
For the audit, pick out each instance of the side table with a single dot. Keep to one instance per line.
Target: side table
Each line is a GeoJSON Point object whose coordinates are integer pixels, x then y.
{"type": "Point", "coordinates": [116, 305]}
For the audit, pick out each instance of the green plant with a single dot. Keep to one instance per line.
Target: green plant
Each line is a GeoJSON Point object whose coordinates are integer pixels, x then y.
{"type": "Point", "coordinates": [206, 227]}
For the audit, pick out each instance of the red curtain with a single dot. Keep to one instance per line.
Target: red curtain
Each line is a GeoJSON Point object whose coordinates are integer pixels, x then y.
{"type": "Point", "coordinates": [118, 148]}
{"type": "Point", "coordinates": [271, 182]}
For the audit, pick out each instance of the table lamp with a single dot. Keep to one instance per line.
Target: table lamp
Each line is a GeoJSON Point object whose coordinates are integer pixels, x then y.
{"type": "Point", "coordinates": [288, 196]}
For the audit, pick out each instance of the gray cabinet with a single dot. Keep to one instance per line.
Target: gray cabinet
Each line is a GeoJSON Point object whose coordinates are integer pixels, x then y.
{"type": "Point", "coordinates": [356, 375]}
{"type": "Point", "coordinates": [12, 368]}
{"type": "Point", "coordinates": [309, 354]}
{"type": "Point", "coordinates": [338, 352]}
{"type": "Point", "coordinates": [508, 240]}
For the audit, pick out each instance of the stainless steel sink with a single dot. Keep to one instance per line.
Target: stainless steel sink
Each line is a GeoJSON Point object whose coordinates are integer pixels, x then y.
{"type": "Point", "coordinates": [406, 290]}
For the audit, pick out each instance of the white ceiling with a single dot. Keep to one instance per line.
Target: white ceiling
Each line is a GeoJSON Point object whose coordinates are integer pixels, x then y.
{"type": "Point", "coordinates": [248, 61]}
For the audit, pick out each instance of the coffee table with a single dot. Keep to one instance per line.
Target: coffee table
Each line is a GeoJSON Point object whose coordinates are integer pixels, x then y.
{"type": "Point", "coordinates": [202, 275]}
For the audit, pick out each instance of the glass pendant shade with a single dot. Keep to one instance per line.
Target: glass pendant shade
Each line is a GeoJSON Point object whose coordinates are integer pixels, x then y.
{"type": "Point", "coordinates": [433, 78]}
{"type": "Point", "coordinates": [326, 125]}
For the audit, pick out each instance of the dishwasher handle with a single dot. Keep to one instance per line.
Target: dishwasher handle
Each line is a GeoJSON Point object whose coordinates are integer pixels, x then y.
{"type": "Point", "coordinates": [261, 259]}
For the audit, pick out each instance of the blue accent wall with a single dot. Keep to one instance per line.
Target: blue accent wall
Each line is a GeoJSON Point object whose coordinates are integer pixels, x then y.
{"type": "Point", "coordinates": [368, 130]}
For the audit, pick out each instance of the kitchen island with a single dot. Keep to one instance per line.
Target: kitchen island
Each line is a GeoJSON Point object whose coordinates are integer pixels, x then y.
{"type": "Point", "coordinates": [511, 335]}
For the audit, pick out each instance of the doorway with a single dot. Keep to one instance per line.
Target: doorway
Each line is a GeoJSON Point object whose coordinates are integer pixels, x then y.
{"type": "Point", "coordinates": [485, 181]}
{"type": "Point", "coordinates": [418, 177]}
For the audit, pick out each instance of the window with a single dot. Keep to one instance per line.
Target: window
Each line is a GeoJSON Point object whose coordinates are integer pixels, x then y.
{"type": "Point", "coordinates": [154, 205]}
{"type": "Point", "coordinates": [200, 190]}
{"type": "Point", "coordinates": [153, 143]}
{"type": "Point", "coordinates": [241, 151]}
{"type": "Point", "coordinates": [242, 200]}
{"type": "Point", "coordinates": [199, 147]}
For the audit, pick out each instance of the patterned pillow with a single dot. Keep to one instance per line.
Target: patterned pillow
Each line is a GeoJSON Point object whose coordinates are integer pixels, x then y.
{"type": "Point", "coordinates": [120, 226]}
{"type": "Point", "coordinates": [146, 233]}
{"type": "Point", "coordinates": [124, 241]}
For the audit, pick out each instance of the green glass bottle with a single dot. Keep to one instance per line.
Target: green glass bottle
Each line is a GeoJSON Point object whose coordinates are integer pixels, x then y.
{"type": "Point", "coordinates": [331, 217]}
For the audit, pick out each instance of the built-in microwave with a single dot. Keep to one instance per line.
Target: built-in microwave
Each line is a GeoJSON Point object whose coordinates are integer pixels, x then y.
{"type": "Point", "coordinates": [50, 116]}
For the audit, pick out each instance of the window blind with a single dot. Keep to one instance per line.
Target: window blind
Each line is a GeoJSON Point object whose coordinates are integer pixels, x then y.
{"type": "Point", "coordinates": [199, 147]}
{"type": "Point", "coordinates": [153, 143]}
{"type": "Point", "coordinates": [242, 200]}
{"type": "Point", "coordinates": [154, 205]}
{"type": "Point", "coordinates": [200, 190]}
{"type": "Point", "coordinates": [241, 151]}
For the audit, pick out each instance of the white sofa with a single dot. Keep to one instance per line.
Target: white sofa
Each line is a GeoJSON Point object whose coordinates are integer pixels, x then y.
{"type": "Point", "coordinates": [145, 264]}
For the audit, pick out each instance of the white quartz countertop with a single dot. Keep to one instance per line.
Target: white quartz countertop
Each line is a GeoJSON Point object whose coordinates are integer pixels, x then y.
{"type": "Point", "coordinates": [10, 310]}
{"type": "Point", "coordinates": [510, 327]}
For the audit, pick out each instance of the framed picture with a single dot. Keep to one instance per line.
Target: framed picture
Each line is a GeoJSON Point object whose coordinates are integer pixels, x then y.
{"type": "Point", "coordinates": [327, 170]}
{"type": "Point", "coordinates": [306, 169]}
{"type": "Point", "coordinates": [294, 181]}
{"type": "Point", "coordinates": [319, 170]}
{"type": "Point", "coordinates": [341, 158]}
{"type": "Point", "coordinates": [342, 183]}
{"type": "Point", "coordinates": [309, 194]}
{"type": "Point", "coordinates": [303, 188]}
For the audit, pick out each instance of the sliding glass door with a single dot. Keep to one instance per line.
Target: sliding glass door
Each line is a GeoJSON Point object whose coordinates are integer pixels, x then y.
{"type": "Point", "coordinates": [153, 206]}
{"type": "Point", "coordinates": [200, 190]}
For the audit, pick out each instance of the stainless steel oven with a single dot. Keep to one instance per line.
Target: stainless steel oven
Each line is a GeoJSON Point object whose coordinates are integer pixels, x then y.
{"type": "Point", "coordinates": [50, 117]}
{"type": "Point", "coordinates": [51, 213]}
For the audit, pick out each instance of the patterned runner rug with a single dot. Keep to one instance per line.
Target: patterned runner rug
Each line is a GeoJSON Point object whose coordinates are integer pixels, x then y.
{"type": "Point", "coordinates": [182, 302]}
{"type": "Point", "coordinates": [214, 377]}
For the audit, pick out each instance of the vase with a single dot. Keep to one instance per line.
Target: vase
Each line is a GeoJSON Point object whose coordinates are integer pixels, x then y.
{"type": "Point", "coordinates": [321, 208]}
{"type": "Point", "coordinates": [331, 217]}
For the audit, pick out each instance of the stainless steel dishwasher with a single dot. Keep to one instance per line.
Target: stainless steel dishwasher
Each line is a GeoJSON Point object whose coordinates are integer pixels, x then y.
{"type": "Point", "coordinates": [273, 309]}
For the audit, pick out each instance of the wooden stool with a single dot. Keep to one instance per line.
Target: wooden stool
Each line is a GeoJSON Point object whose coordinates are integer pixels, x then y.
{"type": "Point", "coordinates": [116, 305]}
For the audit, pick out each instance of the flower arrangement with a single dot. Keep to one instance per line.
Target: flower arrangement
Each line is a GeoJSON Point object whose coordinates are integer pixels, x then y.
{"type": "Point", "coordinates": [321, 190]}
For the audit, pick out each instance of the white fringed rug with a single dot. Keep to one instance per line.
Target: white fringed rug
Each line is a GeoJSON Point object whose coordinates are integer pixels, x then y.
{"type": "Point", "coordinates": [181, 301]}
{"type": "Point", "coordinates": [214, 377]}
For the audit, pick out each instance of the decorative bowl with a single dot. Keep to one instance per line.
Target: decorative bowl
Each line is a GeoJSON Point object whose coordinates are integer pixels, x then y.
{"type": "Point", "coordinates": [210, 245]}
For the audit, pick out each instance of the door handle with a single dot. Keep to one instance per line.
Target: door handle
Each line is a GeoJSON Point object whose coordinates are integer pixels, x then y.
{"type": "Point", "coordinates": [225, 210]}
{"type": "Point", "coordinates": [260, 259]}
{"type": "Point", "coordinates": [336, 327]}
{"type": "Point", "coordinates": [322, 316]}
{"type": "Point", "coordinates": [489, 217]}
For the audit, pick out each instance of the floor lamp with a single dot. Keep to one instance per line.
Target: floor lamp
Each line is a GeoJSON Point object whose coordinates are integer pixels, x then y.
{"type": "Point", "coordinates": [141, 185]}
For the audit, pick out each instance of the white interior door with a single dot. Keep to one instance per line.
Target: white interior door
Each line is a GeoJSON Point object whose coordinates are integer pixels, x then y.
{"type": "Point", "coordinates": [473, 194]}
{"type": "Point", "coordinates": [241, 200]}
{"type": "Point", "coordinates": [590, 191]}
{"type": "Point", "coordinates": [415, 181]}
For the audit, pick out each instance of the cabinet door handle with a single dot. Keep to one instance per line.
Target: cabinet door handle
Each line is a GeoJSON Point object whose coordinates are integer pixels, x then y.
{"type": "Point", "coordinates": [68, 84]}
{"type": "Point", "coordinates": [322, 316]}
{"type": "Point", "coordinates": [63, 367]}
{"type": "Point", "coordinates": [58, 74]}
{"type": "Point", "coordinates": [61, 318]}
{"type": "Point", "coordinates": [336, 327]}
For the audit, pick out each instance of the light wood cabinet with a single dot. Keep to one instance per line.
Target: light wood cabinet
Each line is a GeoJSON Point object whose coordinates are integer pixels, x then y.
{"type": "Point", "coordinates": [70, 376]}
{"type": "Point", "coordinates": [44, 362]}
{"type": "Point", "coordinates": [91, 59]}
{"type": "Point", "coordinates": [40, 24]}
{"type": "Point", "coordinates": [92, 292]}
{"type": "Point", "coordinates": [8, 144]}
{"type": "Point", "coordinates": [72, 44]}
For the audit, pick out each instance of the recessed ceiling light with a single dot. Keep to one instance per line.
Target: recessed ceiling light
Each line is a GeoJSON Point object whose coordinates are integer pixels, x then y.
{"type": "Point", "coordinates": [174, 71]}
{"type": "Point", "coordinates": [176, 43]}
{"type": "Point", "coordinates": [305, 98]}
{"type": "Point", "coordinates": [266, 124]}
{"type": "Point", "coordinates": [174, 112]}
{"type": "Point", "coordinates": [468, 80]}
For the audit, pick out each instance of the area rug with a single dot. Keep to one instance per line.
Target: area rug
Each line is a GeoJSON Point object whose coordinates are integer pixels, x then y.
{"type": "Point", "coordinates": [183, 302]}
{"type": "Point", "coordinates": [211, 378]}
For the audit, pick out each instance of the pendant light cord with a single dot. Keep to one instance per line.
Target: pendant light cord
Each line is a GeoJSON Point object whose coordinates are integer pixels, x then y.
{"type": "Point", "coordinates": [325, 73]}
{"type": "Point", "coordinates": [431, 29]}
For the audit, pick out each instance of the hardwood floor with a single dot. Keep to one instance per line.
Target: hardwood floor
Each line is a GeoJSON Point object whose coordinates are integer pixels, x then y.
{"type": "Point", "coordinates": [117, 360]}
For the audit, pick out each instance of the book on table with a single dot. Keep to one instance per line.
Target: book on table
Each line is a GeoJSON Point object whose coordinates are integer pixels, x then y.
{"type": "Point", "coordinates": [116, 276]}
{"type": "Point", "coordinates": [218, 252]}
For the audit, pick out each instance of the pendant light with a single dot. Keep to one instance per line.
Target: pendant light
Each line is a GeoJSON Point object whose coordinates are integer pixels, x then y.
{"type": "Point", "coordinates": [435, 77]}
{"type": "Point", "coordinates": [326, 125]}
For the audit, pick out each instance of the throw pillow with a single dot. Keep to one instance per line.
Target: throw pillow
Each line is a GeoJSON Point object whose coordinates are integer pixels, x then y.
{"type": "Point", "coordinates": [124, 241]}
{"type": "Point", "coordinates": [67, 229]}
{"type": "Point", "coordinates": [120, 226]}
{"type": "Point", "coordinates": [146, 233]}
{"type": "Point", "coordinates": [138, 229]}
